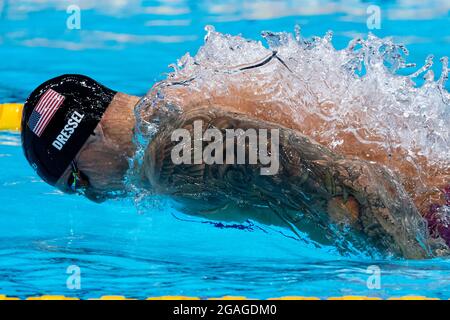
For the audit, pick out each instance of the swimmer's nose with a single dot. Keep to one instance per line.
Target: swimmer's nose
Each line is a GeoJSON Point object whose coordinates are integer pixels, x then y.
{"type": "Point", "coordinates": [94, 196]}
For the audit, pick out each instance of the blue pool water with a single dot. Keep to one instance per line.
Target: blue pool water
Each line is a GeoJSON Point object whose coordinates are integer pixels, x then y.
{"type": "Point", "coordinates": [138, 251]}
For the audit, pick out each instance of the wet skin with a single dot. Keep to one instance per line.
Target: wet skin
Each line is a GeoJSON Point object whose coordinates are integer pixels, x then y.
{"type": "Point", "coordinates": [423, 181]}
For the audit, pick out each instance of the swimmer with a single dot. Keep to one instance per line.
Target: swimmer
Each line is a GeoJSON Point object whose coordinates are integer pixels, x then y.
{"type": "Point", "coordinates": [78, 136]}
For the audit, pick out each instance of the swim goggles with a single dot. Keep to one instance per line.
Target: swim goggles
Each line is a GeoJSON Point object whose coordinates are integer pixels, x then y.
{"type": "Point", "coordinates": [78, 181]}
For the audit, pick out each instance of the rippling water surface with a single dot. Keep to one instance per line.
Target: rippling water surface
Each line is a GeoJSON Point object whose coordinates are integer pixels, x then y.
{"type": "Point", "coordinates": [153, 250]}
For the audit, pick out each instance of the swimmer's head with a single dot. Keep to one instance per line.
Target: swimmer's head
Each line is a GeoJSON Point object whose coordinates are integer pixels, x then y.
{"type": "Point", "coordinates": [70, 141]}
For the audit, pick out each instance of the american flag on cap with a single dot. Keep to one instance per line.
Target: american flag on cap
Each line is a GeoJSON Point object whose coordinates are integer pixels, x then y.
{"type": "Point", "coordinates": [44, 111]}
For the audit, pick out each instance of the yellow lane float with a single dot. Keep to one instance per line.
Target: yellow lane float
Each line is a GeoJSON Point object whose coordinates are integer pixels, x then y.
{"type": "Point", "coordinates": [10, 116]}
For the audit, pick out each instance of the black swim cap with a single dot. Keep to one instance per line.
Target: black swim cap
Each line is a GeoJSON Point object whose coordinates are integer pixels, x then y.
{"type": "Point", "coordinates": [58, 118]}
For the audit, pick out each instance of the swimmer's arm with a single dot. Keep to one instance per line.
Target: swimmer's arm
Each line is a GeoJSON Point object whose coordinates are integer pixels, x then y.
{"type": "Point", "coordinates": [258, 98]}
{"type": "Point", "coordinates": [311, 179]}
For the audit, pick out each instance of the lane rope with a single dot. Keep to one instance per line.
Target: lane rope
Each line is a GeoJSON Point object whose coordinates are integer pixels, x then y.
{"type": "Point", "coordinates": [10, 116]}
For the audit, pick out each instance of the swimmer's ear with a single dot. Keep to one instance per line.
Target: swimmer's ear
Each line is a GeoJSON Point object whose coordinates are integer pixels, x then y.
{"type": "Point", "coordinates": [98, 133]}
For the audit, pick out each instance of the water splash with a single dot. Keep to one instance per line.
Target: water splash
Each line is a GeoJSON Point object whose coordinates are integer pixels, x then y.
{"type": "Point", "coordinates": [361, 77]}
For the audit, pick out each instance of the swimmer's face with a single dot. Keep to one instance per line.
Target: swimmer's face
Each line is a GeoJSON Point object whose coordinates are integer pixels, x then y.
{"type": "Point", "coordinates": [101, 165]}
